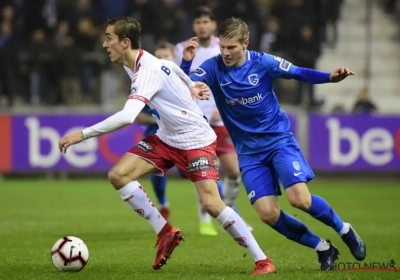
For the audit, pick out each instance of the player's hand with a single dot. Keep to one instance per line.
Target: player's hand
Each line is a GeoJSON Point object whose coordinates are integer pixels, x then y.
{"type": "Point", "coordinates": [340, 74]}
{"type": "Point", "coordinates": [201, 91]}
{"type": "Point", "coordinates": [69, 140]}
{"type": "Point", "coordinates": [189, 50]}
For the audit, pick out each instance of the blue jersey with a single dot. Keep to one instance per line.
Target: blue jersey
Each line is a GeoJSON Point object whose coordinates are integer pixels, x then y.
{"type": "Point", "coordinates": [246, 101]}
{"type": "Point", "coordinates": [151, 128]}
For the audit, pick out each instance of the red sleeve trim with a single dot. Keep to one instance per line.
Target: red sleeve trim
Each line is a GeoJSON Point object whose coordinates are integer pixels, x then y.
{"type": "Point", "coordinates": [139, 97]}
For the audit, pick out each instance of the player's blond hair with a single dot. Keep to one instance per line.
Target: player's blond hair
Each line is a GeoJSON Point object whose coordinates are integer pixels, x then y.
{"type": "Point", "coordinates": [234, 28]}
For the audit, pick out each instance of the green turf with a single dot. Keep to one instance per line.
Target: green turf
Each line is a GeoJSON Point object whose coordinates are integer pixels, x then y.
{"type": "Point", "coordinates": [34, 214]}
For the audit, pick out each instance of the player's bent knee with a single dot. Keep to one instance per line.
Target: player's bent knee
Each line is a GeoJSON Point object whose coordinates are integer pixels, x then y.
{"type": "Point", "coordinates": [115, 176]}
{"type": "Point", "coordinates": [270, 216]}
{"type": "Point", "coordinates": [299, 196]}
{"type": "Point", "coordinates": [268, 209]}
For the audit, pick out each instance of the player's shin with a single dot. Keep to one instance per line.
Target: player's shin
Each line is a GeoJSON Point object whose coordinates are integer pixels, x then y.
{"type": "Point", "coordinates": [322, 211]}
{"type": "Point", "coordinates": [295, 230]}
{"type": "Point", "coordinates": [136, 197]}
{"type": "Point", "coordinates": [236, 228]}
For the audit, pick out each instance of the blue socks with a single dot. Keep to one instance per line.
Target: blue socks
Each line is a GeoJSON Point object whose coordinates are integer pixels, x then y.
{"type": "Point", "coordinates": [159, 184]}
{"type": "Point", "coordinates": [295, 230]}
{"type": "Point", "coordinates": [321, 211]}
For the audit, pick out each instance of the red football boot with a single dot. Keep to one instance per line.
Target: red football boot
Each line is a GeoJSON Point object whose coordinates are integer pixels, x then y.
{"type": "Point", "coordinates": [264, 267]}
{"type": "Point", "coordinates": [168, 239]}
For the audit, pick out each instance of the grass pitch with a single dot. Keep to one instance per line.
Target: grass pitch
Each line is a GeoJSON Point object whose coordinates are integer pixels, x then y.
{"type": "Point", "coordinates": [35, 213]}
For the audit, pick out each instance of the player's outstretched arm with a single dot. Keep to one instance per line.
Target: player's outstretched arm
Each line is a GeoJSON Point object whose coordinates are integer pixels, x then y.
{"type": "Point", "coordinates": [313, 76]}
{"type": "Point", "coordinates": [124, 117]}
{"type": "Point", "coordinates": [279, 67]}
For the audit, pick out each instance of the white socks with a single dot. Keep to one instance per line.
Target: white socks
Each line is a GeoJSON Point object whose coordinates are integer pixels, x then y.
{"type": "Point", "coordinates": [322, 246]}
{"type": "Point", "coordinates": [231, 191]}
{"type": "Point", "coordinates": [136, 197]}
{"type": "Point", "coordinates": [236, 228]}
{"type": "Point", "coordinates": [345, 229]}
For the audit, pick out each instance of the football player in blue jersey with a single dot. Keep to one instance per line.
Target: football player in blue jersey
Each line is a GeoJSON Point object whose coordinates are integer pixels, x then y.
{"type": "Point", "coordinates": [242, 84]}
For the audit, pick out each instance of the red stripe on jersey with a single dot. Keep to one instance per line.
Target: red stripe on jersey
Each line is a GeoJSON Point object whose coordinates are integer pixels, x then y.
{"type": "Point", "coordinates": [137, 64]}
{"type": "Point", "coordinates": [139, 97]}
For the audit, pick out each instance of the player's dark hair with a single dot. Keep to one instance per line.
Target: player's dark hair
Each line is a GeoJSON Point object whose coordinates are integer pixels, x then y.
{"type": "Point", "coordinates": [234, 28]}
{"type": "Point", "coordinates": [164, 45]}
{"type": "Point", "coordinates": [127, 27]}
{"type": "Point", "coordinates": [204, 11]}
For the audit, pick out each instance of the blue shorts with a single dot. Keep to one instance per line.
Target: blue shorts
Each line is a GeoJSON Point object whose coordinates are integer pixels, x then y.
{"type": "Point", "coordinates": [263, 172]}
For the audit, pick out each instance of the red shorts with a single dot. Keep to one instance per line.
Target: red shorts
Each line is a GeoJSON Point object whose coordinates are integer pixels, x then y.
{"type": "Point", "coordinates": [224, 141]}
{"type": "Point", "coordinates": [197, 164]}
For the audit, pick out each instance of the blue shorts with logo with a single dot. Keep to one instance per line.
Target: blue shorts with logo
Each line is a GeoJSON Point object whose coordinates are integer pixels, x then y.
{"type": "Point", "coordinates": [262, 173]}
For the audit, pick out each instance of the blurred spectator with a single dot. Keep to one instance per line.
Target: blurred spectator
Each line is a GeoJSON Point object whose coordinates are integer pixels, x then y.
{"type": "Point", "coordinates": [8, 62]}
{"type": "Point", "coordinates": [269, 38]}
{"type": "Point", "coordinates": [53, 48]}
{"type": "Point", "coordinates": [390, 5]}
{"type": "Point", "coordinates": [41, 76]}
{"type": "Point", "coordinates": [329, 18]}
{"type": "Point", "coordinates": [338, 109]}
{"type": "Point", "coordinates": [306, 55]}
{"type": "Point", "coordinates": [364, 105]}
{"type": "Point", "coordinates": [86, 40]}
{"type": "Point", "coordinates": [145, 12]}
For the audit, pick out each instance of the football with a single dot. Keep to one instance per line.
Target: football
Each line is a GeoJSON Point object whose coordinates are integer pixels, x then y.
{"type": "Point", "coordinates": [69, 254]}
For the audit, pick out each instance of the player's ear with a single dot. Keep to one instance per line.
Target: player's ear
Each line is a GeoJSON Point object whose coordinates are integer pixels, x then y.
{"type": "Point", "coordinates": [245, 44]}
{"type": "Point", "coordinates": [125, 43]}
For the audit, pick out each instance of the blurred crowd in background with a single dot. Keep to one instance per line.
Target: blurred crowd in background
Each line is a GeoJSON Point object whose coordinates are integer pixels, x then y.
{"type": "Point", "coordinates": [51, 50]}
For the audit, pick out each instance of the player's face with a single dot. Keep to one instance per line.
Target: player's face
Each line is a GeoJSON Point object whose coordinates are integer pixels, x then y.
{"type": "Point", "coordinates": [164, 54]}
{"type": "Point", "coordinates": [114, 47]}
{"type": "Point", "coordinates": [232, 51]}
{"type": "Point", "coordinates": [204, 27]}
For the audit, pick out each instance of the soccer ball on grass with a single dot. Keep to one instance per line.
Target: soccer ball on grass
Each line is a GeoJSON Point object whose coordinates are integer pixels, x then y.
{"type": "Point", "coordinates": [69, 254]}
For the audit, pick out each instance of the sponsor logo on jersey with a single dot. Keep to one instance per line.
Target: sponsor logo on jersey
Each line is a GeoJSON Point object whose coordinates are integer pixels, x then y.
{"type": "Point", "coordinates": [214, 161]}
{"type": "Point", "coordinates": [144, 146]}
{"type": "Point", "coordinates": [198, 163]}
{"type": "Point", "coordinates": [244, 100]}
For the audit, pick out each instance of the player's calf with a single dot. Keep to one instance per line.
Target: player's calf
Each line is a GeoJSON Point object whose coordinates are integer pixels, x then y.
{"type": "Point", "coordinates": [295, 230]}
{"type": "Point", "coordinates": [233, 224]}
{"type": "Point", "coordinates": [210, 198]}
{"type": "Point", "coordinates": [122, 177]}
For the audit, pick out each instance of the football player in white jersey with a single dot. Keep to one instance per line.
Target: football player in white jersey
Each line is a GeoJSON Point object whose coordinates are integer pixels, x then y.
{"type": "Point", "coordinates": [204, 26]}
{"type": "Point", "coordinates": [184, 139]}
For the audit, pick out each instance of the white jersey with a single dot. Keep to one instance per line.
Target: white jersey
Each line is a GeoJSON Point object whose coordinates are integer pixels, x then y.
{"type": "Point", "coordinates": [202, 54]}
{"type": "Point", "coordinates": [181, 123]}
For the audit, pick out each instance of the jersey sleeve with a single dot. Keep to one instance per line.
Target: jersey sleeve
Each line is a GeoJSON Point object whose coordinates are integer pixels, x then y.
{"type": "Point", "coordinates": [205, 72]}
{"type": "Point", "coordinates": [278, 67]}
{"type": "Point", "coordinates": [145, 85]}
